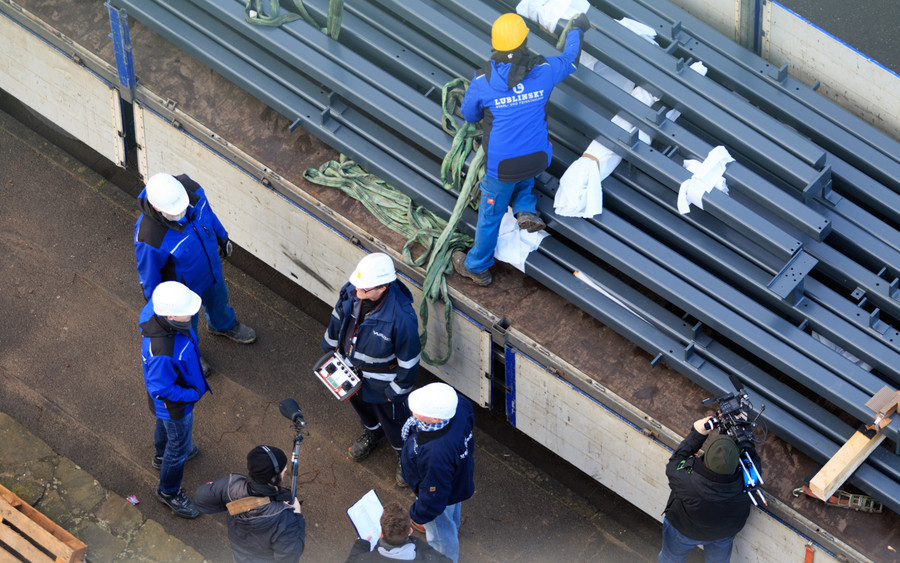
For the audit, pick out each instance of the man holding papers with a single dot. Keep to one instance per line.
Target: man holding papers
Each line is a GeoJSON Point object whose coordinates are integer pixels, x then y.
{"type": "Point", "coordinates": [396, 542]}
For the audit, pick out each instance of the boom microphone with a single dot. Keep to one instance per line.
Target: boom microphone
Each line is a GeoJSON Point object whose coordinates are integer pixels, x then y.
{"type": "Point", "coordinates": [291, 410]}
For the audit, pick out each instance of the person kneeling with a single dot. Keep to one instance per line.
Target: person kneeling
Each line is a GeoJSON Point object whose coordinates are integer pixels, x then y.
{"type": "Point", "coordinates": [264, 523]}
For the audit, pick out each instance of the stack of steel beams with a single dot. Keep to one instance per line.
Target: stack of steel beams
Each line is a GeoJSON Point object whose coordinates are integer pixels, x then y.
{"type": "Point", "coordinates": [805, 243]}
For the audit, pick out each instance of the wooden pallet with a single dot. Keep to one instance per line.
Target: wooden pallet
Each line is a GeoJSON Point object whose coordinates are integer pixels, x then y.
{"type": "Point", "coordinates": [28, 535]}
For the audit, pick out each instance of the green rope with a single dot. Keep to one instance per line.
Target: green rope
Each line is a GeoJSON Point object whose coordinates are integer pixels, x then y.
{"type": "Point", "coordinates": [417, 224]}
{"type": "Point", "coordinates": [335, 15]}
{"type": "Point", "coordinates": [465, 139]}
{"type": "Point", "coordinates": [439, 238]}
{"type": "Point", "coordinates": [274, 19]}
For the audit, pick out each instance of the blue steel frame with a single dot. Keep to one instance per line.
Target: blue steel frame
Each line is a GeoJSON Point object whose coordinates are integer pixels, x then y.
{"type": "Point", "coordinates": [121, 39]}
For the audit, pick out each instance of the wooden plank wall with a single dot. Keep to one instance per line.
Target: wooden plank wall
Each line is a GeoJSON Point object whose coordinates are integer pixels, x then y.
{"type": "Point", "coordinates": [850, 78]}
{"type": "Point", "coordinates": [65, 93]}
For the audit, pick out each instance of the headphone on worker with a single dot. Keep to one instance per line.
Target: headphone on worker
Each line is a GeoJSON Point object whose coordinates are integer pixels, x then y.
{"type": "Point", "coordinates": [277, 477]}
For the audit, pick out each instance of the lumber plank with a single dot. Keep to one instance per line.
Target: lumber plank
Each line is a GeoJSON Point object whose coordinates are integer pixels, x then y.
{"type": "Point", "coordinates": [41, 529]}
{"type": "Point", "coordinates": [19, 545]}
{"type": "Point", "coordinates": [847, 459]}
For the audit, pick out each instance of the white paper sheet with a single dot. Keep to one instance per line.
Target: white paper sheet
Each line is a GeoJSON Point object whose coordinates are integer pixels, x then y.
{"type": "Point", "coordinates": [366, 517]}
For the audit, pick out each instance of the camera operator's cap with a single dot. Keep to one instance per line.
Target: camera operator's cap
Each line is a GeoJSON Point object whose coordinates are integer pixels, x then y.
{"type": "Point", "coordinates": [721, 455]}
{"type": "Point", "coordinates": [435, 400]}
{"type": "Point", "coordinates": [508, 32]}
{"type": "Point", "coordinates": [373, 270]}
{"type": "Point", "coordinates": [259, 464]}
{"type": "Point", "coordinates": [167, 194]}
{"type": "Point", "coordinates": [173, 299]}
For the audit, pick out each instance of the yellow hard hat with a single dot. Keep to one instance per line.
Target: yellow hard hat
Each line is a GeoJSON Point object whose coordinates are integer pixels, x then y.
{"type": "Point", "coordinates": [508, 32]}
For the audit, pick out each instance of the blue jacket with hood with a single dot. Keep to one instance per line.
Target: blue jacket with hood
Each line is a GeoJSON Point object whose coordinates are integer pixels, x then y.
{"type": "Point", "coordinates": [185, 251]}
{"type": "Point", "coordinates": [515, 137]}
{"type": "Point", "coordinates": [387, 347]}
{"type": "Point", "coordinates": [171, 363]}
{"type": "Point", "coordinates": [439, 466]}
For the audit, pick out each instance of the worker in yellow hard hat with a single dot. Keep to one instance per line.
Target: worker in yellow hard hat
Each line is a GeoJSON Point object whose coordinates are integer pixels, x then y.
{"type": "Point", "coordinates": [510, 94]}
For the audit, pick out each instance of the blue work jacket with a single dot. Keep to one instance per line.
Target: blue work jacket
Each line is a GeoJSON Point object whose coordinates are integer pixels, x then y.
{"type": "Point", "coordinates": [515, 139]}
{"type": "Point", "coordinates": [386, 348]}
{"type": "Point", "coordinates": [439, 465]}
{"type": "Point", "coordinates": [185, 251]}
{"type": "Point", "coordinates": [171, 362]}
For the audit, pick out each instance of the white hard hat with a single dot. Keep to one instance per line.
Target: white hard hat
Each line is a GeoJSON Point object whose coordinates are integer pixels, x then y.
{"type": "Point", "coordinates": [435, 400]}
{"type": "Point", "coordinates": [373, 270]}
{"type": "Point", "coordinates": [172, 299]}
{"type": "Point", "coordinates": [167, 194]}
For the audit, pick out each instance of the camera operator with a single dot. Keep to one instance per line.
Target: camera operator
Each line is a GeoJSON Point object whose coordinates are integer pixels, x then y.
{"type": "Point", "coordinates": [274, 529]}
{"type": "Point", "coordinates": [708, 505]}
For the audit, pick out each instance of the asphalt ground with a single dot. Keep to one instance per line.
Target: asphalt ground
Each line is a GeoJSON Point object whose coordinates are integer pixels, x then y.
{"type": "Point", "coordinates": [70, 373]}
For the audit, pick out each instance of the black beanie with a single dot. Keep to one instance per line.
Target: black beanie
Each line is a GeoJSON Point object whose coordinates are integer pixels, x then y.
{"type": "Point", "coordinates": [722, 455]}
{"type": "Point", "coordinates": [259, 463]}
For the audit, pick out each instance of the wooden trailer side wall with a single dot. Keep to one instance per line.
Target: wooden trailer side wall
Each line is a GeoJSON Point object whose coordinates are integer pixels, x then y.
{"type": "Point", "coordinates": [812, 54]}
{"type": "Point", "coordinates": [65, 93]}
{"type": "Point", "coordinates": [723, 15]}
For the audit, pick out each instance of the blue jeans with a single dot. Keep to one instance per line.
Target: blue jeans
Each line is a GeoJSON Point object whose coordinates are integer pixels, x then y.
{"type": "Point", "coordinates": [219, 315]}
{"type": "Point", "coordinates": [442, 533]}
{"type": "Point", "coordinates": [173, 443]}
{"type": "Point", "coordinates": [496, 196]}
{"type": "Point", "coordinates": [676, 546]}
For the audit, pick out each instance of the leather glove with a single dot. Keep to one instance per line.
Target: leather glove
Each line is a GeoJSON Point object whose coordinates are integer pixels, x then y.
{"type": "Point", "coordinates": [417, 527]}
{"type": "Point", "coordinates": [581, 22]}
{"type": "Point", "coordinates": [225, 248]}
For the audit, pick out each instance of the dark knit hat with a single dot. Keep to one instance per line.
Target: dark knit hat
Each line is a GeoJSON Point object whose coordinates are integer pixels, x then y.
{"type": "Point", "coordinates": [259, 464]}
{"type": "Point", "coordinates": [721, 455]}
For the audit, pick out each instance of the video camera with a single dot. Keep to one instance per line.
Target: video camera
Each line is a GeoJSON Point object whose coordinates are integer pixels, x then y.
{"type": "Point", "coordinates": [731, 419]}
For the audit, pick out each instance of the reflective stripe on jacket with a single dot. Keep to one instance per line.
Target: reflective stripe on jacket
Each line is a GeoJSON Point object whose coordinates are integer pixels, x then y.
{"type": "Point", "coordinates": [387, 347]}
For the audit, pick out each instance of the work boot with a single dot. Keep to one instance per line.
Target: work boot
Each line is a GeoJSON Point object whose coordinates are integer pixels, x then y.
{"type": "Point", "coordinates": [179, 503]}
{"type": "Point", "coordinates": [157, 459]}
{"type": "Point", "coordinates": [363, 446]}
{"type": "Point", "coordinates": [459, 264]}
{"type": "Point", "coordinates": [530, 222]}
{"type": "Point", "coordinates": [240, 333]}
{"type": "Point", "coordinates": [398, 477]}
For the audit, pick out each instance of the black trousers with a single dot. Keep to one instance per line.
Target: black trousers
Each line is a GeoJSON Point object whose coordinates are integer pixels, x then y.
{"type": "Point", "coordinates": [384, 419]}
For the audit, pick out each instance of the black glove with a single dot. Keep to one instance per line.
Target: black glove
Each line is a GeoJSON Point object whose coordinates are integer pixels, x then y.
{"type": "Point", "coordinates": [225, 248]}
{"type": "Point", "coordinates": [581, 22]}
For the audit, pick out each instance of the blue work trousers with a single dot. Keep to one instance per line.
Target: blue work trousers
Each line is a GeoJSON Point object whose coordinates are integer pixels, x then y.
{"type": "Point", "coordinates": [676, 546]}
{"type": "Point", "coordinates": [442, 533]}
{"type": "Point", "coordinates": [496, 196]}
{"type": "Point", "coordinates": [173, 443]}
{"type": "Point", "coordinates": [219, 315]}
